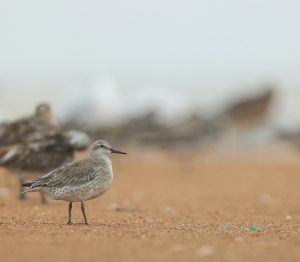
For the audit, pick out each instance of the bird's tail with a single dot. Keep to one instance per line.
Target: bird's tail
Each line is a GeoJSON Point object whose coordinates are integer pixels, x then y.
{"type": "Point", "coordinates": [27, 184]}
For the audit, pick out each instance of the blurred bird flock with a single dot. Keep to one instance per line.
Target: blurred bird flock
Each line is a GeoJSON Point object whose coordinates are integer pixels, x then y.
{"type": "Point", "coordinates": [38, 143]}
{"type": "Point", "coordinates": [251, 117]}
{"type": "Point", "coordinates": [192, 131]}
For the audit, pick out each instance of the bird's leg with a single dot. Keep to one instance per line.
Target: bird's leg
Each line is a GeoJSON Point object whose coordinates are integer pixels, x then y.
{"type": "Point", "coordinates": [43, 198]}
{"type": "Point", "coordinates": [21, 189]}
{"type": "Point", "coordinates": [83, 212]}
{"type": "Point", "coordinates": [70, 211]}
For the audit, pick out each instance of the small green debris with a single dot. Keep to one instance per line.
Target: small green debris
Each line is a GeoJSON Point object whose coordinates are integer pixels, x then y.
{"type": "Point", "coordinates": [225, 226]}
{"type": "Point", "coordinates": [253, 228]}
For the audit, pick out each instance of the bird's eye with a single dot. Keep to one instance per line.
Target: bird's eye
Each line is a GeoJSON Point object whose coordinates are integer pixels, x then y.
{"type": "Point", "coordinates": [102, 146]}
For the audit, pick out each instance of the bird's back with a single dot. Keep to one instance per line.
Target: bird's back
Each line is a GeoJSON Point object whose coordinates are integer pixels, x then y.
{"type": "Point", "coordinates": [79, 180]}
{"type": "Point", "coordinates": [42, 156]}
{"type": "Point", "coordinates": [26, 129]}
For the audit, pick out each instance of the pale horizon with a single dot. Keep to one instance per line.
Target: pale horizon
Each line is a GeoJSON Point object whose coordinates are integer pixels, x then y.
{"type": "Point", "coordinates": [198, 53]}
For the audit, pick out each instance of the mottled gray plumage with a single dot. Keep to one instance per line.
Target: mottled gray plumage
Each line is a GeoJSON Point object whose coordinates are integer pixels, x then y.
{"type": "Point", "coordinates": [79, 180]}
{"type": "Point", "coordinates": [31, 128]}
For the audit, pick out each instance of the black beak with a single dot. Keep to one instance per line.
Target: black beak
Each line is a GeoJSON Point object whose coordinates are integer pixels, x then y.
{"type": "Point", "coordinates": [114, 151]}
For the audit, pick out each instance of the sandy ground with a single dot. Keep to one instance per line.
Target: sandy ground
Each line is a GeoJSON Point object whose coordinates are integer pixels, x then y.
{"type": "Point", "coordinates": [204, 207]}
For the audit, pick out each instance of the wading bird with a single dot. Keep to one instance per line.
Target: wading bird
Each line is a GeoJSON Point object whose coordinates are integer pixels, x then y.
{"type": "Point", "coordinates": [79, 180]}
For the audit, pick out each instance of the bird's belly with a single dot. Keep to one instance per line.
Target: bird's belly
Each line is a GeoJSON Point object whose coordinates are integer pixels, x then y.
{"type": "Point", "coordinates": [78, 193]}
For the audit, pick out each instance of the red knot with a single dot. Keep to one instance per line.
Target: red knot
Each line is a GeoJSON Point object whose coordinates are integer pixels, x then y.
{"type": "Point", "coordinates": [41, 123]}
{"type": "Point", "coordinates": [79, 180]}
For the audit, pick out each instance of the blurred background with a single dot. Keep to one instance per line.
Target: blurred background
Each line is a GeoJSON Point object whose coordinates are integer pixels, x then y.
{"type": "Point", "coordinates": [172, 74]}
{"type": "Point", "coordinates": [203, 95]}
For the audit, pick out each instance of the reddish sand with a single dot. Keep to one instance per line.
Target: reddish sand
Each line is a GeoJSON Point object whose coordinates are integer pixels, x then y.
{"type": "Point", "coordinates": [166, 208]}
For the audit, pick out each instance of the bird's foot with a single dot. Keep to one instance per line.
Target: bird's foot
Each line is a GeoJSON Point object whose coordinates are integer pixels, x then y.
{"type": "Point", "coordinates": [23, 197]}
{"type": "Point", "coordinates": [69, 223]}
{"type": "Point", "coordinates": [86, 223]}
{"type": "Point", "coordinates": [44, 200]}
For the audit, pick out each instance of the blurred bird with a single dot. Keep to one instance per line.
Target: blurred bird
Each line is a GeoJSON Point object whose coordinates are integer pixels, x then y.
{"type": "Point", "coordinates": [41, 156]}
{"type": "Point", "coordinates": [34, 127]}
{"type": "Point", "coordinates": [79, 180]}
{"type": "Point", "coordinates": [250, 111]}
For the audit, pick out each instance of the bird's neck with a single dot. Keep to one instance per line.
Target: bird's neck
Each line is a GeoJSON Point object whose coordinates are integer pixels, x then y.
{"type": "Point", "coordinates": [100, 157]}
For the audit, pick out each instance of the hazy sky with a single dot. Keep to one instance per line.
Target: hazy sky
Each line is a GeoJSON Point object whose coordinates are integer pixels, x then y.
{"type": "Point", "coordinates": [157, 38]}
{"type": "Point", "coordinates": [206, 46]}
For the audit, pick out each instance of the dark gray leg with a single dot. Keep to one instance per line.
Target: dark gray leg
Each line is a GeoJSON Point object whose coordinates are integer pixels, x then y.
{"type": "Point", "coordinates": [70, 213]}
{"type": "Point", "coordinates": [83, 212]}
{"type": "Point", "coordinates": [21, 189]}
{"type": "Point", "coordinates": [43, 198]}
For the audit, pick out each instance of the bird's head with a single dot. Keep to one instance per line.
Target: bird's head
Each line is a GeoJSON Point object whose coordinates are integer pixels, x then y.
{"type": "Point", "coordinates": [43, 110]}
{"type": "Point", "coordinates": [100, 147]}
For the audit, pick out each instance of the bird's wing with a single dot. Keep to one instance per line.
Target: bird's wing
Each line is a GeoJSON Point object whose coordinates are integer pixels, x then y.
{"type": "Point", "coordinates": [26, 130]}
{"type": "Point", "coordinates": [72, 174]}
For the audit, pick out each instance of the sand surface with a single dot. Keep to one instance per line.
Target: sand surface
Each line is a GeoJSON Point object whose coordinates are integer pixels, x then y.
{"type": "Point", "coordinates": [199, 207]}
